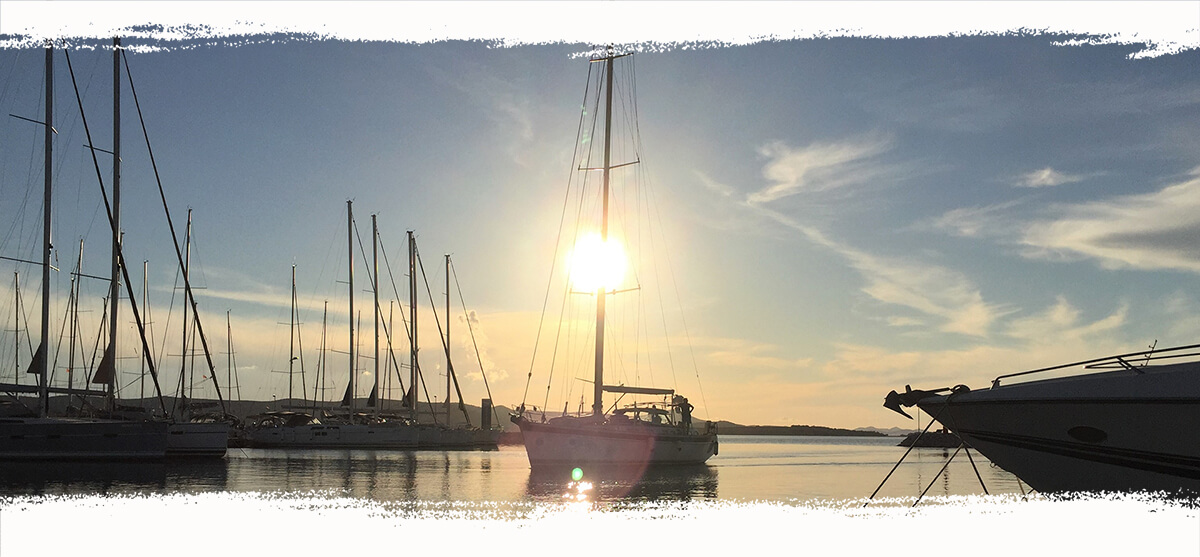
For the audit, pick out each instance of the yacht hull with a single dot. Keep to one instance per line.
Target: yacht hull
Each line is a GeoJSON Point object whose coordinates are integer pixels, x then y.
{"type": "Point", "coordinates": [78, 439]}
{"type": "Point", "coordinates": [201, 440]}
{"type": "Point", "coordinates": [582, 442]}
{"type": "Point", "coordinates": [334, 436]}
{"type": "Point", "coordinates": [1129, 430]}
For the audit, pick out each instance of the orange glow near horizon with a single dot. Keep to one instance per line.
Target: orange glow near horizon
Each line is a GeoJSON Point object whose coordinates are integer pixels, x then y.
{"type": "Point", "coordinates": [596, 264]}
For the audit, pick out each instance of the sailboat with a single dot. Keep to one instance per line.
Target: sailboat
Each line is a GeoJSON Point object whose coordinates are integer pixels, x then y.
{"type": "Point", "coordinates": [637, 435]}
{"type": "Point", "coordinates": [44, 437]}
{"type": "Point", "coordinates": [288, 429]}
{"type": "Point", "coordinates": [187, 435]}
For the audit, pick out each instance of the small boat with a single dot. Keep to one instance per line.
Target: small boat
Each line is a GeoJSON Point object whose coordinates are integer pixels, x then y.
{"type": "Point", "coordinates": [638, 435]}
{"type": "Point", "coordinates": [1129, 422]}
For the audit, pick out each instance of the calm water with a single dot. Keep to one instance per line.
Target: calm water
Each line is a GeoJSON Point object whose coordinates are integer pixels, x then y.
{"type": "Point", "coordinates": [748, 468]}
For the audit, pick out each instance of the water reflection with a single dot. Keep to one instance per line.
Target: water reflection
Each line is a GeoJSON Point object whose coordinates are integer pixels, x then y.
{"type": "Point", "coordinates": [748, 469]}
{"type": "Point", "coordinates": [103, 478]}
{"type": "Point", "coordinates": [666, 483]}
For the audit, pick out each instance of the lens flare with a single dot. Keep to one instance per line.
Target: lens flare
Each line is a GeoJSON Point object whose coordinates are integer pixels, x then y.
{"type": "Point", "coordinates": [577, 474]}
{"type": "Point", "coordinates": [596, 264]}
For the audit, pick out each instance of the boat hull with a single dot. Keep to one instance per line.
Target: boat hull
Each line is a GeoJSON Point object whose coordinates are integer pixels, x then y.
{"type": "Point", "coordinates": [584, 443]}
{"type": "Point", "coordinates": [78, 439]}
{"type": "Point", "coordinates": [334, 436]}
{"type": "Point", "coordinates": [1116, 431]}
{"type": "Point", "coordinates": [197, 440]}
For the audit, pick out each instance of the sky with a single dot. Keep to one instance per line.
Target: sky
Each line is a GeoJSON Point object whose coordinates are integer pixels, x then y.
{"type": "Point", "coordinates": [845, 214]}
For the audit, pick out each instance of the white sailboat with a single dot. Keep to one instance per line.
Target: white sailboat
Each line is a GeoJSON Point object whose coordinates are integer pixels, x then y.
{"type": "Point", "coordinates": [638, 435]}
{"type": "Point", "coordinates": [354, 430]}
{"type": "Point", "coordinates": [187, 435]}
{"type": "Point", "coordinates": [1126, 423]}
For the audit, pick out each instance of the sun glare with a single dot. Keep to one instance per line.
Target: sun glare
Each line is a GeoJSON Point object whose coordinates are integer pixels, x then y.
{"type": "Point", "coordinates": [596, 264]}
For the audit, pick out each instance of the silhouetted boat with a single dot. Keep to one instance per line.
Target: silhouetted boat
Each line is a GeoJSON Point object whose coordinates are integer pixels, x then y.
{"type": "Point", "coordinates": [1132, 425]}
{"type": "Point", "coordinates": [638, 435]}
{"type": "Point", "coordinates": [44, 437]}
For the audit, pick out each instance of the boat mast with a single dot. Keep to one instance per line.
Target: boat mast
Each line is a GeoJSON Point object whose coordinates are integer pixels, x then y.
{"type": "Point", "coordinates": [17, 327]}
{"type": "Point", "coordinates": [41, 364]}
{"type": "Point", "coordinates": [114, 292]}
{"type": "Point", "coordinates": [349, 398]}
{"type": "Point", "coordinates": [74, 303]}
{"type": "Point", "coordinates": [319, 386]}
{"type": "Point", "coordinates": [187, 264]}
{"type": "Point", "coordinates": [146, 305]}
{"type": "Point", "coordinates": [598, 386]}
{"type": "Point", "coordinates": [387, 372]}
{"type": "Point", "coordinates": [375, 289]}
{"type": "Point", "coordinates": [292, 335]}
{"type": "Point", "coordinates": [412, 309]}
{"type": "Point", "coordinates": [449, 366]}
{"type": "Point", "coordinates": [228, 349]}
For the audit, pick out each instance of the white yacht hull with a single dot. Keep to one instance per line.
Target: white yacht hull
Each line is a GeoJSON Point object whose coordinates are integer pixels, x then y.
{"type": "Point", "coordinates": [334, 436]}
{"type": "Point", "coordinates": [1112, 431]}
{"type": "Point", "coordinates": [80, 439]}
{"type": "Point", "coordinates": [584, 442]}
{"type": "Point", "coordinates": [209, 440]}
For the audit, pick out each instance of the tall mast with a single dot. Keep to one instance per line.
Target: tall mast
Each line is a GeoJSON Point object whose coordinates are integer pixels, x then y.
{"type": "Point", "coordinates": [42, 363]}
{"type": "Point", "coordinates": [449, 366]}
{"type": "Point", "coordinates": [319, 387]}
{"type": "Point", "coordinates": [187, 264]}
{"type": "Point", "coordinates": [74, 302]}
{"type": "Point", "coordinates": [292, 334]}
{"type": "Point", "coordinates": [350, 243]}
{"type": "Point", "coordinates": [146, 306]}
{"type": "Point", "coordinates": [388, 369]}
{"type": "Point", "coordinates": [375, 289]}
{"type": "Point", "coordinates": [598, 385]}
{"type": "Point", "coordinates": [412, 309]}
{"type": "Point", "coordinates": [114, 292]}
{"type": "Point", "coordinates": [17, 327]}
{"type": "Point", "coordinates": [228, 350]}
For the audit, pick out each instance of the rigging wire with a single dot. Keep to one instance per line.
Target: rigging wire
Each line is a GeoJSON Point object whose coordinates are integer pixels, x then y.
{"type": "Point", "coordinates": [449, 369]}
{"type": "Point", "coordinates": [557, 245]}
{"type": "Point", "coordinates": [467, 318]}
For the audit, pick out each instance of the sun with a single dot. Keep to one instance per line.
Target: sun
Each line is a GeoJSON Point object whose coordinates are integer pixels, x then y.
{"type": "Point", "coordinates": [596, 264]}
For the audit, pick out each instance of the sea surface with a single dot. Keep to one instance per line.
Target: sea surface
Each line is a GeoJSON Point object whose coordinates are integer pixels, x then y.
{"type": "Point", "coordinates": [776, 469]}
{"type": "Point", "coordinates": [759, 496]}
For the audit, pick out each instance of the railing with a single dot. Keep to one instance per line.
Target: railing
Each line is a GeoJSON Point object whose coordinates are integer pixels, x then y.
{"type": "Point", "coordinates": [1132, 361]}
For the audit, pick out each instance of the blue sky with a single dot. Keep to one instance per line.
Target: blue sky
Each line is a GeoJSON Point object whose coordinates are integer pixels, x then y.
{"type": "Point", "coordinates": [847, 215]}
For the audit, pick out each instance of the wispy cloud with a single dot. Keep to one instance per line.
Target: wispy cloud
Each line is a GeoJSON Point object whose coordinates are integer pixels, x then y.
{"type": "Point", "coordinates": [979, 222]}
{"type": "Point", "coordinates": [1048, 177]}
{"type": "Point", "coordinates": [817, 167]}
{"type": "Point", "coordinates": [1060, 323]}
{"type": "Point", "coordinates": [1149, 231]}
{"type": "Point", "coordinates": [928, 288]}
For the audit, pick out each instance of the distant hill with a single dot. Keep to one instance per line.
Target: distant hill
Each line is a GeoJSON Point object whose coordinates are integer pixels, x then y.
{"type": "Point", "coordinates": [730, 428]}
{"type": "Point", "coordinates": [891, 431]}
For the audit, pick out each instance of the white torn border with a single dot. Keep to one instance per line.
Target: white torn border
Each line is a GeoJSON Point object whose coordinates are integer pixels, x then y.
{"type": "Point", "coordinates": [314, 525]}
{"type": "Point", "coordinates": [1160, 27]}
{"type": "Point", "coordinates": [257, 524]}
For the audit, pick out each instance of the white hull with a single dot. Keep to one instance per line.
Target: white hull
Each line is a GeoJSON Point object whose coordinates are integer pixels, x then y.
{"type": "Point", "coordinates": [77, 439]}
{"type": "Point", "coordinates": [334, 436]}
{"type": "Point", "coordinates": [1112, 431]}
{"type": "Point", "coordinates": [581, 442]}
{"type": "Point", "coordinates": [197, 440]}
